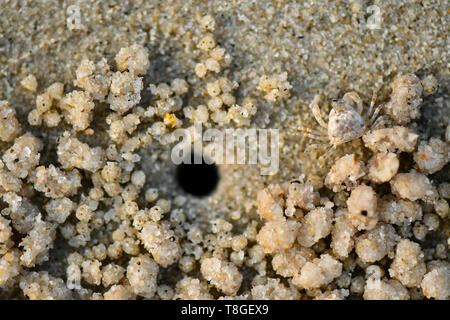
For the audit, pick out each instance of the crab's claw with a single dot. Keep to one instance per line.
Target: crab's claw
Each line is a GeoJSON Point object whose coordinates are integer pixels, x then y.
{"type": "Point", "coordinates": [339, 106]}
{"type": "Point", "coordinates": [316, 111]}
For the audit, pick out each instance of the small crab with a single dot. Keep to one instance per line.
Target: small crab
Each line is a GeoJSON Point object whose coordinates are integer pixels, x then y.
{"type": "Point", "coordinates": [345, 123]}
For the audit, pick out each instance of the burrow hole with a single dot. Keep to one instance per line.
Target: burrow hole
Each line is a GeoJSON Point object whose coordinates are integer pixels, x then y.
{"type": "Point", "coordinates": [199, 179]}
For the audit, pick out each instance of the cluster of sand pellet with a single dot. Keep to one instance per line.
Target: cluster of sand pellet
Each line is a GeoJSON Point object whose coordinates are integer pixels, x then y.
{"type": "Point", "coordinates": [89, 212]}
{"type": "Point", "coordinates": [381, 225]}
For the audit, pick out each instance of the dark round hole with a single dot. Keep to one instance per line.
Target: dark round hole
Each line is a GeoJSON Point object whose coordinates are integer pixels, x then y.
{"type": "Point", "coordinates": [364, 213]}
{"type": "Point", "coordinates": [197, 179]}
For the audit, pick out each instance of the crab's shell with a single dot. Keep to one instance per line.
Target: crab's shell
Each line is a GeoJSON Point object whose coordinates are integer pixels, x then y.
{"type": "Point", "coordinates": [344, 126]}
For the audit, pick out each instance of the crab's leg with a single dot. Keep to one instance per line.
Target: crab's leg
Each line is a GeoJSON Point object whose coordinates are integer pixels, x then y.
{"type": "Point", "coordinates": [313, 134]}
{"type": "Point", "coordinates": [327, 154]}
{"type": "Point", "coordinates": [378, 122]}
{"type": "Point", "coordinates": [309, 130]}
{"type": "Point", "coordinates": [352, 96]}
{"type": "Point", "coordinates": [372, 104]}
{"type": "Point", "coordinates": [375, 114]}
{"type": "Point", "coordinates": [314, 137]}
{"type": "Point", "coordinates": [316, 111]}
{"type": "Point", "coordinates": [320, 145]}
